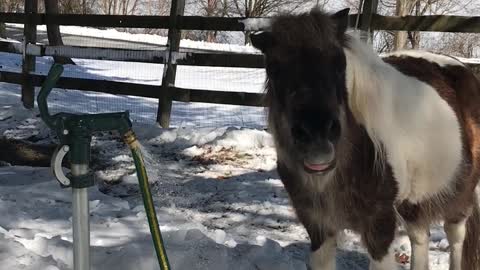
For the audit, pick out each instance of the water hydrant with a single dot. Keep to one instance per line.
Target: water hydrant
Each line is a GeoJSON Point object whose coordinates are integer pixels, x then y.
{"type": "Point", "coordinates": [75, 133]}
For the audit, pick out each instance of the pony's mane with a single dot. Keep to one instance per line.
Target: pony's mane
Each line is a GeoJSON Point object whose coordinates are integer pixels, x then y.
{"type": "Point", "coordinates": [363, 86]}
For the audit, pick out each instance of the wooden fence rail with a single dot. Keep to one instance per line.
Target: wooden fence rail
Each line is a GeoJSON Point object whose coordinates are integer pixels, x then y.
{"type": "Point", "coordinates": [172, 57]}
{"type": "Point", "coordinates": [434, 23]}
{"type": "Point", "coordinates": [142, 90]}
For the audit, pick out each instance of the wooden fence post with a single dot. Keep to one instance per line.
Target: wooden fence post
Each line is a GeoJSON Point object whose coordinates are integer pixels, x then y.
{"type": "Point", "coordinates": [170, 68]}
{"type": "Point", "coordinates": [28, 62]}
{"type": "Point", "coordinates": [369, 8]}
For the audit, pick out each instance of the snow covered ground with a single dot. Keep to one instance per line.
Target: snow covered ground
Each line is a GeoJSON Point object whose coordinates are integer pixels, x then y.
{"type": "Point", "coordinates": [144, 38]}
{"type": "Point", "coordinates": [220, 202]}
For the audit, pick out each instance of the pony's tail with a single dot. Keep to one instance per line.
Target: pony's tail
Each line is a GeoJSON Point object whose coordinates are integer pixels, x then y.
{"type": "Point", "coordinates": [471, 244]}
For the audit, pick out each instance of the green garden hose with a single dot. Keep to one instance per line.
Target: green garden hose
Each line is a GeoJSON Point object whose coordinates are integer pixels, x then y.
{"type": "Point", "coordinates": [132, 142]}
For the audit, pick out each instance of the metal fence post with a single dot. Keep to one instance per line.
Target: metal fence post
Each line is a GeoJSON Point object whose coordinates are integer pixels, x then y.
{"type": "Point", "coordinates": [369, 8]}
{"type": "Point", "coordinates": [28, 62]}
{"type": "Point", "coordinates": [170, 68]}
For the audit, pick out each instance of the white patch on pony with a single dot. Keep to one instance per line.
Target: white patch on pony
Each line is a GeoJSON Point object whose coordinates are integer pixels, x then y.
{"type": "Point", "coordinates": [324, 257]}
{"type": "Point", "coordinates": [456, 235]}
{"type": "Point", "coordinates": [408, 120]}
{"type": "Point", "coordinates": [387, 263]}
{"type": "Point", "coordinates": [441, 60]}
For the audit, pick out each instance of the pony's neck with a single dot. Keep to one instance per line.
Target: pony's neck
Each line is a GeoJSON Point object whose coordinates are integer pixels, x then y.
{"type": "Point", "coordinates": [366, 77]}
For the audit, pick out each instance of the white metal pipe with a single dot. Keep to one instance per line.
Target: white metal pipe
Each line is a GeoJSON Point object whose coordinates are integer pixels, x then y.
{"type": "Point", "coordinates": [80, 222]}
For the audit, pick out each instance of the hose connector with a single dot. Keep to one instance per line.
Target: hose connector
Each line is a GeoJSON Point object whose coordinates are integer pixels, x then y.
{"type": "Point", "coordinates": [130, 138]}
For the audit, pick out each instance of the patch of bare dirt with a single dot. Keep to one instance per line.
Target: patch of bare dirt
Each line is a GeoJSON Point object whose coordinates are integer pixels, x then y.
{"type": "Point", "coordinates": [223, 155]}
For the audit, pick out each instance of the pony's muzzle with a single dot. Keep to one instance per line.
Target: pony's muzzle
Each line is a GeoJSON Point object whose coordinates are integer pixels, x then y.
{"type": "Point", "coordinates": [321, 159]}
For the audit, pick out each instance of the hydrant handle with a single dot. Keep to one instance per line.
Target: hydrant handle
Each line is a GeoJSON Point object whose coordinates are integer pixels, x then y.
{"type": "Point", "coordinates": [53, 76]}
{"type": "Point", "coordinates": [56, 165]}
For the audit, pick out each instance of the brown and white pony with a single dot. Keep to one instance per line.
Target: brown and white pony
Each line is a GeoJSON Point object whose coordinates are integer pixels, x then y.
{"type": "Point", "coordinates": [369, 143]}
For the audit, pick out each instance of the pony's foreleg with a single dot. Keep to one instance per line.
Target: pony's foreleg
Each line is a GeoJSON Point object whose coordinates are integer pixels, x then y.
{"type": "Point", "coordinates": [455, 235]}
{"type": "Point", "coordinates": [323, 240]}
{"type": "Point", "coordinates": [419, 239]}
{"type": "Point", "coordinates": [323, 258]}
{"type": "Point", "coordinates": [378, 236]}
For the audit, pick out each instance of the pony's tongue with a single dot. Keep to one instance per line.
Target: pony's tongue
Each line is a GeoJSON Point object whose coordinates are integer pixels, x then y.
{"type": "Point", "coordinates": [317, 167]}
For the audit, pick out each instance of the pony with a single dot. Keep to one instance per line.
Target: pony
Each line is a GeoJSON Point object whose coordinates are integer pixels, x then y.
{"type": "Point", "coordinates": [372, 143]}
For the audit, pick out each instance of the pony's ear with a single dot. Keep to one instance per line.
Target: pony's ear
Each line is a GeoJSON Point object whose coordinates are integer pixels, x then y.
{"type": "Point", "coordinates": [262, 40]}
{"type": "Point", "coordinates": [341, 18]}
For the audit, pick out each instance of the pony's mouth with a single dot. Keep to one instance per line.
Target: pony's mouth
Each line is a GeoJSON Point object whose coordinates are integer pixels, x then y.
{"type": "Point", "coordinates": [318, 168]}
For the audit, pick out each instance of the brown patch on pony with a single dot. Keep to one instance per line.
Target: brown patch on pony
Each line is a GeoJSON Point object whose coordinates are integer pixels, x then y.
{"type": "Point", "coordinates": [459, 87]}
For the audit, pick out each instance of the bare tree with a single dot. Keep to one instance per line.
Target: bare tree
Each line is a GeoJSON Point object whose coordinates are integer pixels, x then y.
{"type": "Point", "coordinates": [403, 8]}
{"type": "Point", "coordinates": [261, 8]}
{"type": "Point", "coordinates": [3, 30]}
{"type": "Point", "coordinates": [11, 5]}
{"type": "Point", "coordinates": [207, 8]}
{"type": "Point", "coordinates": [76, 6]}
{"type": "Point", "coordinates": [157, 8]}
{"type": "Point", "coordinates": [8, 6]}
{"type": "Point", "coordinates": [424, 7]}
{"type": "Point", "coordinates": [392, 40]}
{"type": "Point", "coordinates": [213, 8]}
{"type": "Point", "coordinates": [119, 7]}
{"type": "Point", "coordinates": [456, 44]}
{"type": "Point", "coordinates": [70, 6]}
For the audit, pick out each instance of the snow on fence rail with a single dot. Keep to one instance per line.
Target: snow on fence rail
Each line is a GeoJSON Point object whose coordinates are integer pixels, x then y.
{"type": "Point", "coordinates": [145, 56]}
{"type": "Point", "coordinates": [176, 22]}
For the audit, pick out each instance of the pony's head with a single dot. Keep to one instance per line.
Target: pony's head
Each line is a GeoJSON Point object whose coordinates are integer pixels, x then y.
{"type": "Point", "coordinates": [306, 83]}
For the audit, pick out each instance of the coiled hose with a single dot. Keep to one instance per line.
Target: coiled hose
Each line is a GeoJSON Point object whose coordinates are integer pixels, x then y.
{"type": "Point", "coordinates": [134, 145]}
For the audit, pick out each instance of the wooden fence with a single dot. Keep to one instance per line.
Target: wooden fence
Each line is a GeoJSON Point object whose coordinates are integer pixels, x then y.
{"type": "Point", "coordinates": [171, 57]}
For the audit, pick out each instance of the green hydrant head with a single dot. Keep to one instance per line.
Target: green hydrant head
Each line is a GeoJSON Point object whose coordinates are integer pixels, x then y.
{"type": "Point", "coordinates": [68, 124]}
{"type": "Point", "coordinates": [76, 130]}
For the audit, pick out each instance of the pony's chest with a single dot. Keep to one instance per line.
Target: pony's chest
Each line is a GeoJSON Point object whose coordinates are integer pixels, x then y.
{"type": "Point", "coordinates": [340, 206]}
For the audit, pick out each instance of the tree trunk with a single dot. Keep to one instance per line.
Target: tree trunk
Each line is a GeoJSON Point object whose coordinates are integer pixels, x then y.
{"type": "Point", "coordinates": [210, 10]}
{"type": "Point", "coordinates": [18, 152]}
{"type": "Point", "coordinates": [403, 8]}
{"type": "Point", "coordinates": [414, 37]}
{"type": "Point", "coordinates": [248, 10]}
{"type": "Point", "coordinates": [3, 31]}
{"type": "Point", "coordinates": [53, 31]}
{"type": "Point", "coordinates": [211, 36]}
